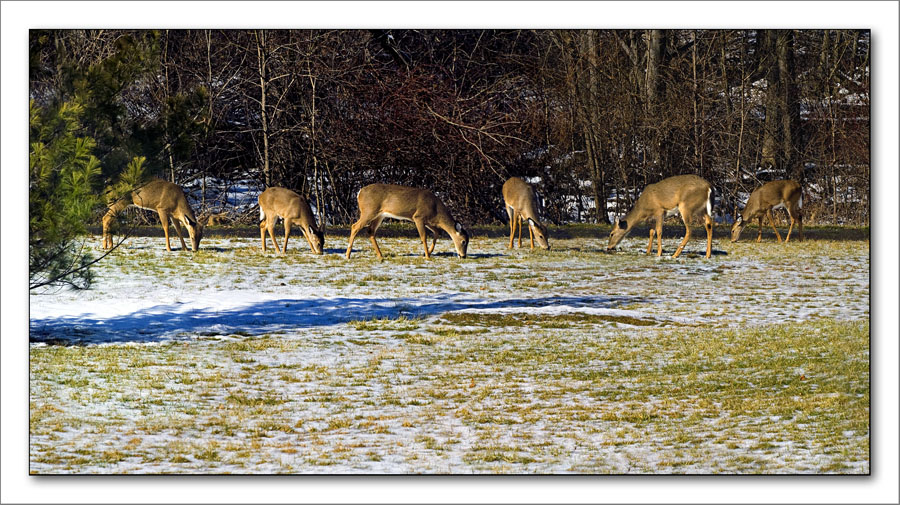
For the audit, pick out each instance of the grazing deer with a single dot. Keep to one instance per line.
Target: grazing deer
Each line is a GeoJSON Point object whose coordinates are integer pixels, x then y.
{"type": "Point", "coordinates": [519, 199]}
{"type": "Point", "coordinates": [294, 210]}
{"type": "Point", "coordinates": [378, 201]}
{"type": "Point", "coordinates": [168, 200]}
{"type": "Point", "coordinates": [773, 195]}
{"type": "Point", "coordinates": [688, 194]}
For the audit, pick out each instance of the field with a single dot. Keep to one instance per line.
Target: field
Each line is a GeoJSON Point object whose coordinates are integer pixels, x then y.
{"type": "Point", "coordinates": [510, 361]}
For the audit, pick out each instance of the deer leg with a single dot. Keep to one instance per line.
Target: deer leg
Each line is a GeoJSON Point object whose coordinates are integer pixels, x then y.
{"type": "Point", "coordinates": [177, 226]}
{"type": "Point", "coordinates": [434, 235]}
{"type": "Point", "coordinates": [650, 245]}
{"type": "Point", "coordinates": [420, 227]}
{"type": "Point", "coordinates": [709, 233]}
{"type": "Point", "coordinates": [111, 212]}
{"type": "Point", "coordinates": [759, 228]}
{"type": "Point", "coordinates": [363, 221]}
{"type": "Point", "coordinates": [262, 233]}
{"type": "Point", "coordinates": [530, 233]}
{"type": "Point", "coordinates": [787, 238]}
{"type": "Point", "coordinates": [107, 239]}
{"type": "Point", "coordinates": [270, 226]}
{"type": "Point", "coordinates": [306, 234]}
{"type": "Point", "coordinates": [519, 221]}
{"type": "Point", "coordinates": [353, 231]}
{"type": "Point", "coordinates": [373, 227]}
{"type": "Point", "coordinates": [164, 219]}
{"type": "Point", "coordinates": [800, 221]}
{"type": "Point", "coordinates": [794, 214]}
{"type": "Point", "coordinates": [659, 222]}
{"type": "Point", "coordinates": [512, 225]}
{"type": "Point", "coordinates": [686, 217]}
{"type": "Point", "coordinates": [772, 222]}
{"type": "Point", "coordinates": [287, 233]}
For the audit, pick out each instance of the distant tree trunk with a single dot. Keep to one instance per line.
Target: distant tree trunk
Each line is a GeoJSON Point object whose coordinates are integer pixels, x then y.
{"type": "Point", "coordinates": [592, 124]}
{"type": "Point", "coordinates": [209, 118]}
{"type": "Point", "coordinates": [737, 159]}
{"type": "Point", "coordinates": [657, 40]}
{"type": "Point", "coordinates": [261, 62]}
{"type": "Point", "coordinates": [695, 98]}
{"type": "Point", "coordinates": [790, 107]}
{"type": "Point", "coordinates": [166, 135]}
{"type": "Point", "coordinates": [770, 145]}
{"type": "Point", "coordinates": [319, 207]}
{"type": "Point", "coordinates": [655, 60]}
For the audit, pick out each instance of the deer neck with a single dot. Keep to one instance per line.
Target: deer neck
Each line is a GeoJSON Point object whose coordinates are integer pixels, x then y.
{"type": "Point", "coordinates": [528, 211]}
{"type": "Point", "coordinates": [638, 214]}
{"type": "Point", "coordinates": [446, 224]}
{"type": "Point", "coordinates": [750, 212]}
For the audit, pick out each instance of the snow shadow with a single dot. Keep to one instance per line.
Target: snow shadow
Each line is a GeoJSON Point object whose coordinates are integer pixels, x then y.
{"type": "Point", "coordinates": [181, 321]}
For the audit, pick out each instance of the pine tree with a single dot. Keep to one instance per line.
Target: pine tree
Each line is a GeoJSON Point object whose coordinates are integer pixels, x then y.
{"type": "Point", "coordinates": [63, 178]}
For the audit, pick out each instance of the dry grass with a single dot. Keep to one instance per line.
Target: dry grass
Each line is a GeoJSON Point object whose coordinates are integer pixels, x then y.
{"type": "Point", "coordinates": [669, 380]}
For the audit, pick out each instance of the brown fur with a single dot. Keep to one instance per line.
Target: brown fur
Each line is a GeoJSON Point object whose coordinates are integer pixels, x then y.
{"type": "Point", "coordinates": [418, 205]}
{"type": "Point", "coordinates": [760, 204]}
{"type": "Point", "coordinates": [687, 193]}
{"type": "Point", "coordinates": [169, 202]}
{"type": "Point", "coordinates": [518, 197]}
{"type": "Point", "coordinates": [294, 210]}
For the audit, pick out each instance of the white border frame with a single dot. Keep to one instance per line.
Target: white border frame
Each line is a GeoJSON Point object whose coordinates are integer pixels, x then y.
{"type": "Point", "coordinates": [880, 16]}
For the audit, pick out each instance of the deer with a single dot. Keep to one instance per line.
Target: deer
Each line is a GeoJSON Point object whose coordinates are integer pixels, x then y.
{"type": "Point", "coordinates": [421, 206]}
{"type": "Point", "coordinates": [293, 209]}
{"type": "Point", "coordinates": [685, 194]}
{"type": "Point", "coordinates": [518, 197]}
{"type": "Point", "coordinates": [168, 200]}
{"type": "Point", "coordinates": [786, 194]}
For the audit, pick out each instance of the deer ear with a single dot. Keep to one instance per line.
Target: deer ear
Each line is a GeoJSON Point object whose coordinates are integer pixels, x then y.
{"type": "Point", "coordinates": [739, 219]}
{"type": "Point", "coordinates": [531, 222]}
{"type": "Point", "coordinates": [622, 224]}
{"type": "Point", "coordinates": [458, 227]}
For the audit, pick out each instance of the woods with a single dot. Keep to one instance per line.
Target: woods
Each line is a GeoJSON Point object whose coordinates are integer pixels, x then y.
{"type": "Point", "coordinates": [581, 349]}
{"type": "Point", "coordinates": [589, 116]}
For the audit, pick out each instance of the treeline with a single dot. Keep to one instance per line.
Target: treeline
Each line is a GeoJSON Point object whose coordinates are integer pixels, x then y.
{"type": "Point", "coordinates": [591, 115]}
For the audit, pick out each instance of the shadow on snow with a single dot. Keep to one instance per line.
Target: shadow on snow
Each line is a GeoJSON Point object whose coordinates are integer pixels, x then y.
{"type": "Point", "coordinates": [165, 322]}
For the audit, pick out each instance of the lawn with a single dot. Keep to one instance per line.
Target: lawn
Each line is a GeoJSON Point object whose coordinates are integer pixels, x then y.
{"type": "Point", "coordinates": [509, 361]}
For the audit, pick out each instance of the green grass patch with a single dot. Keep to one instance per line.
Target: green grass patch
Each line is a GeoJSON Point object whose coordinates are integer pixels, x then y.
{"type": "Point", "coordinates": [574, 319]}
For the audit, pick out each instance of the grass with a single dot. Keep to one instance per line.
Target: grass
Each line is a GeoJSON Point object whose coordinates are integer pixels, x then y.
{"type": "Point", "coordinates": [775, 380]}
{"type": "Point", "coordinates": [541, 321]}
{"type": "Point", "coordinates": [692, 392]}
{"type": "Point", "coordinates": [401, 323]}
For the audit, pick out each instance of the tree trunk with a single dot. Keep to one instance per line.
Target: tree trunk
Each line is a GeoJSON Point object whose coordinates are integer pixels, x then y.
{"type": "Point", "coordinates": [261, 60]}
{"type": "Point", "coordinates": [598, 183]}
{"type": "Point", "coordinates": [790, 108]}
{"type": "Point", "coordinates": [657, 40]}
{"type": "Point", "coordinates": [770, 146]}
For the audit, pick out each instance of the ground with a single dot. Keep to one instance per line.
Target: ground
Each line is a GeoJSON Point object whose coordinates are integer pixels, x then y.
{"type": "Point", "coordinates": [510, 361]}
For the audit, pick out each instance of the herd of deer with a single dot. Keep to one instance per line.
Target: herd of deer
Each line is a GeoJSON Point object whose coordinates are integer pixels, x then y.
{"type": "Point", "coordinates": [688, 195]}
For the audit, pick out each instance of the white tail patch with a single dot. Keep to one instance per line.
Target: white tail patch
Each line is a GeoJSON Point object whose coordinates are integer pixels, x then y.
{"type": "Point", "coordinates": [709, 202]}
{"type": "Point", "coordinates": [800, 202]}
{"type": "Point", "coordinates": [262, 215]}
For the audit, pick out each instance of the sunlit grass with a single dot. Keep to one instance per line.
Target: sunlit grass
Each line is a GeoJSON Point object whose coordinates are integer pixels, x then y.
{"type": "Point", "coordinates": [754, 361]}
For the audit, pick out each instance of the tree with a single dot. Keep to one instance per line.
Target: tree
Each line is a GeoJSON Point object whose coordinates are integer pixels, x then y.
{"type": "Point", "coordinates": [85, 142]}
{"type": "Point", "coordinates": [592, 115]}
{"type": "Point", "coordinates": [63, 192]}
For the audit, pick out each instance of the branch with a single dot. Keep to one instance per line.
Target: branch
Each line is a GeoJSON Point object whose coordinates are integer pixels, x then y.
{"type": "Point", "coordinates": [384, 38]}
